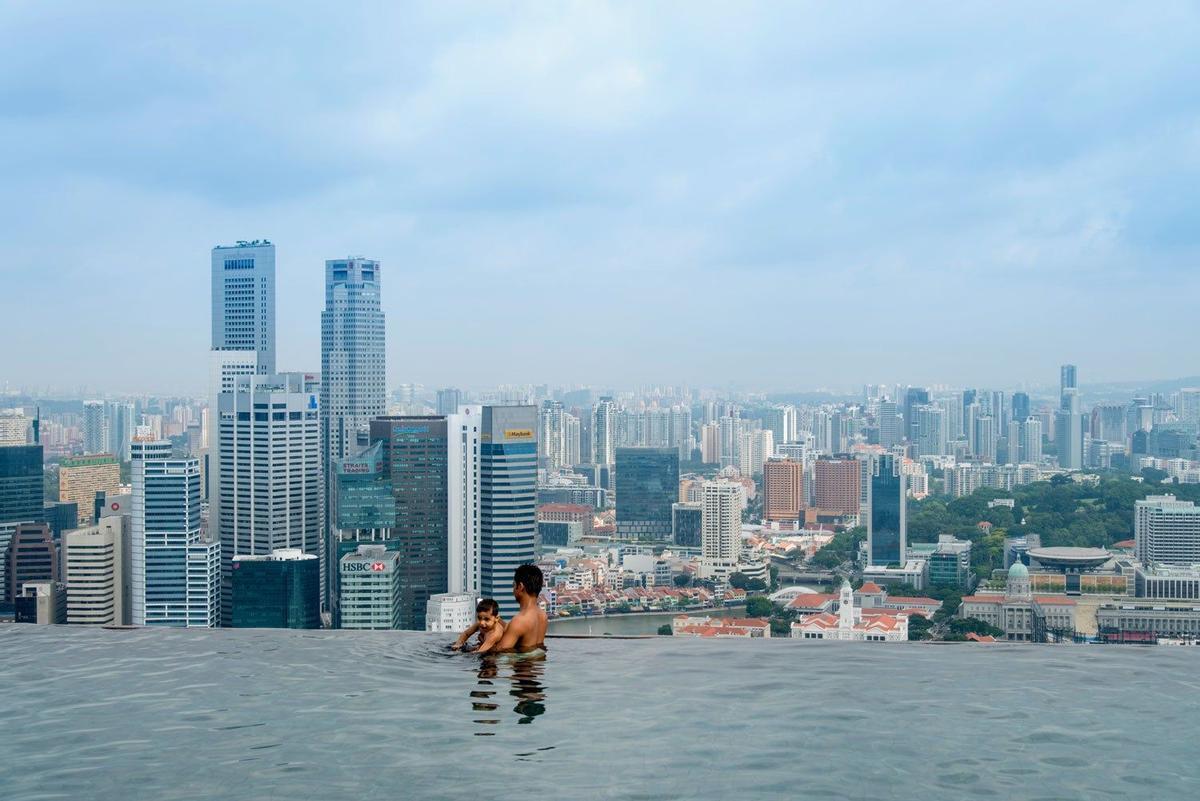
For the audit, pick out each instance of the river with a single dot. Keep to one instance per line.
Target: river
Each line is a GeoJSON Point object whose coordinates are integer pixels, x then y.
{"type": "Point", "coordinates": [629, 624]}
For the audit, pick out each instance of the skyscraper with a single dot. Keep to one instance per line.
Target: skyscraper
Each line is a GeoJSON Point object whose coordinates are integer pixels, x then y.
{"type": "Point", "coordinates": [647, 484]}
{"type": "Point", "coordinates": [353, 366]}
{"type": "Point", "coordinates": [889, 424]}
{"type": "Point", "coordinates": [277, 590]}
{"type": "Point", "coordinates": [1020, 406]}
{"type": "Point", "coordinates": [243, 300]}
{"type": "Point", "coordinates": [371, 596]}
{"type": "Point", "coordinates": [417, 461]}
{"type": "Point", "coordinates": [1068, 430]}
{"type": "Point", "coordinates": [507, 498]}
{"type": "Point", "coordinates": [913, 397]}
{"type": "Point", "coordinates": [836, 486]}
{"type": "Point", "coordinates": [81, 477]}
{"type": "Point", "coordinates": [175, 572]}
{"type": "Point", "coordinates": [448, 400]}
{"type": "Point", "coordinates": [21, 494]}
{"type": "Point", "coordinates": [95, 427]}
{"type": "Point", "coordinates": [353, 370]}
{"type": "Point", "coordinates": [272, 483]}
{"type": "Point", "coordinates": [931, 430]}
{"type": "Point", "coordinates": [97, 565]}
{"type": "Point", "coordinates": [1166, 531]}
{"type": "Point", "coordinates": [603, 439]}
{"type": "Point", "coordinates": [32, 556]}
{"type": "Point", "coordinates": [985, 439]}
{"type": "Point", "coordinates": [783, 489]}
{"type": "Point", "coordinates": [1066, 379]}
{"type": "Point", "coordinates": [887, 534]}
{"type": "Point", "coordinates": [1031, 440]}
{"type": "Point", "coordinates": [721, 530]}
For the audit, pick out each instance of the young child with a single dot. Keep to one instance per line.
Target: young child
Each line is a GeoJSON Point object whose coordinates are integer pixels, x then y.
{"type": "Point", "coordinates": [488, 625]}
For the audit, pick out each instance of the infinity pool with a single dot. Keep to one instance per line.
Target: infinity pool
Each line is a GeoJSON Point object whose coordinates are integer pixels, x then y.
{"type": "Point", "coordinates": [158, 714]}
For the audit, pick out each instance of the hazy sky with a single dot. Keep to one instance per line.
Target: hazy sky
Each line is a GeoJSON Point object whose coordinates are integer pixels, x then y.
{"type": "Point", "coordinates": [784, 196]}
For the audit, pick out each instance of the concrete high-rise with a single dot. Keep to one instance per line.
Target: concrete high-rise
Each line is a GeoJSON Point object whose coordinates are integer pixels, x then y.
{"type": "Point", "coordinates": [175, 572]}
{"type": "Point", "coordinates": [448, 400]}
{"type": "Point", "coordinates": [985, 439]}
{"type": "Point", "coordinates": [836, 486]}
{"type": "Point", "coordinates": [1031, 441]}
{"type": "Point", "coordinates": [271, 491]}
{"type": "Point", "coordinates": [81, 477]}
{"type": "Point", "coordinates": [507, 498]}
{"type": "Point", "coordinates": [647, 483]}
{"type": "Point", "coordinates": [721, 530]}
{"type": "Point", "coordinates": [371, 596]}
{"type": "Point", "coordinates": [930, 427]}
{"type": "Point", "coordinates": [783, 489]}
{"type": "Point", "coordinates": [97, 572]}
{"type": "Point", "coordinates": [889, 424]}
{"type": "Point", "coordinates": [887, 531]}
{"type": "Point", "coordinates": [1166, 531]}
{"type": "Point", "coordinates": [95, 427]}
{"type": "Point", "coordinates": [603, 437]}
{"type": "Point", "coordinates": [243, 300]}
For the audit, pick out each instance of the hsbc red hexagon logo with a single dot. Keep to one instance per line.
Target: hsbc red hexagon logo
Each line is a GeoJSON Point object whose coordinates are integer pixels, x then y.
{"type": "Point", "coordinates": [378, 567]}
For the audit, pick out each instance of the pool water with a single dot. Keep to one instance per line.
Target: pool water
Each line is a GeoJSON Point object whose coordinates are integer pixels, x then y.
{"type": "Point", "coordinates": [237, 714]}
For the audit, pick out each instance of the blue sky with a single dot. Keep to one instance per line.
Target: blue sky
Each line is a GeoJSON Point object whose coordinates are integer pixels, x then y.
{"type": "Point", "coordinates": [782, 196]}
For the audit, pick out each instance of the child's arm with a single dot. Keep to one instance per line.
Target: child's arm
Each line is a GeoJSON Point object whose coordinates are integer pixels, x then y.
{"type": "Point", "coordinates": [492, 640]}
{"type": "Point", "coordinates": [466, 635]}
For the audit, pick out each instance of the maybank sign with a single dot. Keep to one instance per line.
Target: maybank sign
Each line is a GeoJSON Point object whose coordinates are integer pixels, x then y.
{"type": "Point", "coordinates": [518, 434]}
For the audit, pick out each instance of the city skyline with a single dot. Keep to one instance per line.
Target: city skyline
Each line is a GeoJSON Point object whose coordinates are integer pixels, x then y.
{"type": "Point", "coordinates": [954, 202]}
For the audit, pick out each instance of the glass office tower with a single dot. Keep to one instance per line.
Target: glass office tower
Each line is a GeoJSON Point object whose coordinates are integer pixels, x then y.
{"type": "Point", "coordinates": [886, 523]}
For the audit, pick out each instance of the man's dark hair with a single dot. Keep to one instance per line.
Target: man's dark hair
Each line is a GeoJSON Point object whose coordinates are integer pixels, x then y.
{"type": "Point", "coordinates": [529, 577]}
{"type": "Point", "coordinates": [488, 605]}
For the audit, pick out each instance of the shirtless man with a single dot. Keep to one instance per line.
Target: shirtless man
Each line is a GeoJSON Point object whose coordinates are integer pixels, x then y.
{"type": "Point", "coordinates": [527, 629]}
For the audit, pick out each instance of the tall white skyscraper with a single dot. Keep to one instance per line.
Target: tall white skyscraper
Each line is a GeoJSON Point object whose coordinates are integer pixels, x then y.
{"type": "Point", "coordinates": [604, 445]}
{"type": "Point", "coordinates": [175, 572]}
{"type": "Point", "coordinates": [1166, 530]}
{"type": "Point", "coordinates": [1031, 441]}
{"type": "Point", "coordinates": [269, 459]}
{"type": "Point", "coordinates": [1013, 437]}
{"type": "Point", "coordinates": [720, 529]}
{"type": "Point", "coordinates": [243, 300]}
{"type": "Point", "coordinates": [985, 439]}
{"type": "Point", "coordinates": [930, 427]}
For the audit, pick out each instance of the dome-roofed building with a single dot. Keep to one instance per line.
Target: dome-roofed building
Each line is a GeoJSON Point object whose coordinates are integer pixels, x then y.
{"type": "Point", "coordinates": [1019, 613]}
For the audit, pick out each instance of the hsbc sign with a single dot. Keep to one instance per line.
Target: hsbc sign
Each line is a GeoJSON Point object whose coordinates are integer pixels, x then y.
{"type": "Point", "coordinates": [364, 567]}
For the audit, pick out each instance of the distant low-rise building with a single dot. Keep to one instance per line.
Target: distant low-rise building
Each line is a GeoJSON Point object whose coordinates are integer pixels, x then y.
{"type": "Point", "coordinates": [1020, 614]}
{"type": "Point", "coordinates": [852, 623]}
{"type": "Point", "coordinates": [708, 626]}
{"type": "Point", "coordinates": [450, 612]}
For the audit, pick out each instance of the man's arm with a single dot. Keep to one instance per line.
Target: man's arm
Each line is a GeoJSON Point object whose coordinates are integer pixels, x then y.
{"type": "Point", "coordinates": [466, 635]}
{"type": "Point", "coordinates": [512, 633]}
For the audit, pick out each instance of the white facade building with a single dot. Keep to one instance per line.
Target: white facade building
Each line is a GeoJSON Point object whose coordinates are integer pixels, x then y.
{"type": "Point", "coordinates": [450, 612]}
{"type": "Point", "coordinates": [1166, 531]}
{"type": "Point", "coordinates": [96, 564]}
{"type": "Point", "coordinates": [853, 623]}
{"type": "Point", "coordinates": [720, 529]}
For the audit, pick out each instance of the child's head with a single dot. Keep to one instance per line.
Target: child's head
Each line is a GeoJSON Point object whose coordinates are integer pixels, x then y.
{"type": "Point", "coordinates": [487, 613]}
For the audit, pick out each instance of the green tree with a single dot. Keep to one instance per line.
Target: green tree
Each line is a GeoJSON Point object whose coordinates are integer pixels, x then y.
{"type": "Point", "coordinates": [665, 630]}
{"type": "Point", "coordinates": [682, 580]}
{"type": "Point", "coordinates": [759, 606]}
{"type": "Point", "coordinates": [918, 628]}
{"type": "Point", "coordinates": [738, 581]}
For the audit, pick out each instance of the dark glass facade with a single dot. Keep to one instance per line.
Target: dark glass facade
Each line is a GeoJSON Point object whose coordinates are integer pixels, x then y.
{"type": "Point", "coordinates": [647, 486]}
{"type": "Point", "coordinates": [507, 499]}
{"type": "Point", "coordinates": [415, 460]}
{"type": "Point", "coordinates": [553, 533]}
{"type": "Point", "coordinates": [687, 519]}
{"type": "Point", "coordinates": [886, 529]}
{"type": "Point", "coordinates": [62, 516]}
{"type": "Point", "coordinates": [273, 593]}
{"type": "Point", "coordinates": [32, 556]}
{"type": "Point", "coordinates": [21, 483]}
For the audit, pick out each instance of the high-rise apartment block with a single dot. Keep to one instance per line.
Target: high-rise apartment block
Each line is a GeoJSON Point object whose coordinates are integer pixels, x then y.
{"type": "Point", "coordinates": [836, 486]}
{"type": "Point", "coordinates": [721, 530]}
{"type": "Point", "coordinates": [783, 489]}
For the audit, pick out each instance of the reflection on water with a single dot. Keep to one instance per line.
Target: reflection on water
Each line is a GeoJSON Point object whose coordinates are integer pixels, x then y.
{"type": "Point", "coordinates": [525, 673]}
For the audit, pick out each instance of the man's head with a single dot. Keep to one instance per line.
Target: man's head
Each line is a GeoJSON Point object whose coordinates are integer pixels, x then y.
{"type": "Point", "coordinates": [487, 613]}
{"type": "Point", "coordinates": [527, 581]}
